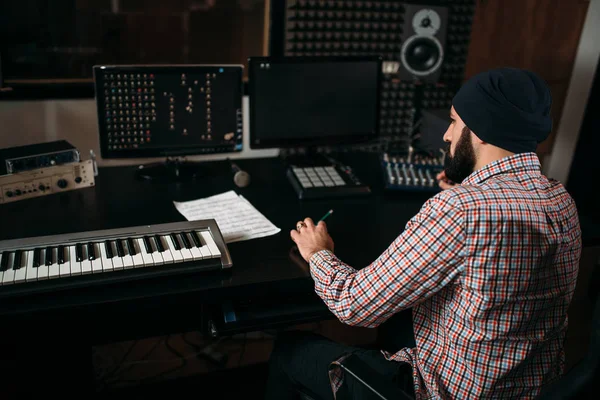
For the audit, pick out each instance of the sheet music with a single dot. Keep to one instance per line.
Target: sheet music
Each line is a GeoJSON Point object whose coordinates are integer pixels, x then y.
{"type": "Point", "coordinates": [237, 219]}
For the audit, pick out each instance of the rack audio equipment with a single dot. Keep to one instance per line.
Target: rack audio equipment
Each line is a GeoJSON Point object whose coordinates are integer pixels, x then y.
{"type": "Point", "coordinates": [408, 172]}
{"type": "Point", "coordinates": [35, 156]}
{"type": "Point", "coordinates": [45, 181]}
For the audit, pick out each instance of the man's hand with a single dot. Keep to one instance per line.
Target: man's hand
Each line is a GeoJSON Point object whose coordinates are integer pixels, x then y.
{"type": "Point", "coordinates": [310, 238]}
{"type": "Point", "coordinates": [443, 181]}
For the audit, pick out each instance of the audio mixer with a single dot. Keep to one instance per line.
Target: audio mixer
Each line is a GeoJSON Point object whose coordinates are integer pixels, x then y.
{"type": "Point", "coordinates": [410, 172]}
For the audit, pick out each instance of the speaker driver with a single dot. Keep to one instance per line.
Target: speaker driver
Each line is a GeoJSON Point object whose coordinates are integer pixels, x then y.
{"type": "Point", "coordinates": [422, 55]}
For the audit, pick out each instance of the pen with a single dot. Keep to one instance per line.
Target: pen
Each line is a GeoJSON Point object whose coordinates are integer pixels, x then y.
{"type": "Point", "coordinates": [326, 215]}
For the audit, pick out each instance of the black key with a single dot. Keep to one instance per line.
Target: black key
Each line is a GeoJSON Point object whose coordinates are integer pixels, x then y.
{"type": "Point", "coordinates": [17, 259]}
{"type": "Point", "coordinates": [147, 245]}
{"type": "Point", "coordinates": [48, 256]}
{"type": "Point", "coordinates": [79, 252]}
{"type": "Point", "coordinates": [61, 255]}
{"type": "Point", "coordinates": [37, 252]}
{"type": "Point", "coordinates": [159, 245]}
{"type": "Point", "coordinates": [130, 247]}
{"type": "Point", "coordinates": [4, 262]}
{"type": "Point", "coordinates": [196, 239]}
{"type": "Point", "coordinates": [108, 249]}
{"type": "Point", "coordinates": [91, 251]}
{"type": "Point", "coordinates": [120, 249]}
{"type": "Point", "coordinates": [175, 241]}
{"type": "Point", "coordinates": [185, 240]}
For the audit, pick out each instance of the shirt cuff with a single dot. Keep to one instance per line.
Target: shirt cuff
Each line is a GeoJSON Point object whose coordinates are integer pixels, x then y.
{"type": "Point", "coordinates": [324, 264]}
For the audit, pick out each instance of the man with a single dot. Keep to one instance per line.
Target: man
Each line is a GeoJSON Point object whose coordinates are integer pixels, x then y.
{"type": "Point", "coordinates": [487, 266]}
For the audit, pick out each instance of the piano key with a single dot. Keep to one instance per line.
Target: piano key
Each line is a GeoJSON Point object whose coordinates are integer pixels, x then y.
{"type": "Point", "coordinates": [195, 239]}
{"type": "Point", "coordinates": [175, 241]}
{"type": "Point", "coordinates": [86, 264]}
{"type": "Point", "coordinates": [138, 260]}
{"type": "Point", "coordinates": [64, 267]}
{"type": "Point", "coordinates": [21, 273]}
{"type": "Point", "coordinates": [156, 255]}
{"type": "Point", "coordinates": [131, 247]}
{"type": "Point", "coordinates": [107, 264]}
{"type": "Point", "coordinates": [91, 251]}
{"type": "Point", "coordinates": [17, 259]}
{"type": "Point", "coordinates": [127, 259]}
{"type": "Point", "coordinates": [108, 249]}
{"type": "Point", "coordinates": [177, 255]}
{"type": "Point", "coordinates": [185, 240]}
{"type": "Point", "coordinates": [120, 249]}
{"type": "Point", "coordinates": [187, 254]}
{"type": "Point", "coordinates": [61, 254]}
{"type": "Point", "coordinates": [116, 259]}
{"type": "Point", "coordinates": [196, 253]}
{"type": "Point", "coordinates": [48, 259]}
{"type": "Point", "coordinates": [96, 262]}
{"type": "Point", "coordinates": [148, 261]}
{"type": "Point", "coordinates": [147, 245]}
{"type": "Point", "coordinates": [43, 268]}
{"type": "Point", "coordinates": [53, 268]}
{"type": "Point", "coordinates": [32, 269]}
{"type": "Point", "coordinates": [36, 257]}
{"type": "Point", "coordinates": [159, 245]}
{"type": "Point", "coordinates": [79, 252]}
{"type": "Point", "coordinates": [212, 246]}
{"type": "Point", "coordinates": [74, 264]}
{"type": "Point", "coordinates": [166, 252]}
{"type": "Point", "coordinates": [4, 261]}
{"type": "Point", "coordinates": [203, 246]}
{"type": "Point", "coordinates": [9, 274]}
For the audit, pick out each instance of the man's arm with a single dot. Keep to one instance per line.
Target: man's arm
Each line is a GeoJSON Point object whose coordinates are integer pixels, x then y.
{"type": "Point", "coordinates": [422, 260]}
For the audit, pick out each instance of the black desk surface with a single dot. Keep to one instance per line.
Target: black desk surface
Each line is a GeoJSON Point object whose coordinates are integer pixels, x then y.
{"type": "Point", "coordinates": [361, 227]}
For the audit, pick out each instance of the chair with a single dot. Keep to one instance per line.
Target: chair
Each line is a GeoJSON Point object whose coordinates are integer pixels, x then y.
{"type": "Point", "coordinates": [580, 382]}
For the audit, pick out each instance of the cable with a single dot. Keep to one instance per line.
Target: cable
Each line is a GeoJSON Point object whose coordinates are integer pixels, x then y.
{"type": "Point", "coordinates": [106, 377]}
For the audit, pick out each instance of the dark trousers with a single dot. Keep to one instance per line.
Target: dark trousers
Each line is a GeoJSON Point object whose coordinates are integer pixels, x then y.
{"type": "Point", "coordinates": [301, 360]}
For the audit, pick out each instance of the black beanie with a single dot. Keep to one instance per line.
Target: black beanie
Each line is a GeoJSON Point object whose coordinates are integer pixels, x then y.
{"type": "Point", "coordinates": [507, 107]}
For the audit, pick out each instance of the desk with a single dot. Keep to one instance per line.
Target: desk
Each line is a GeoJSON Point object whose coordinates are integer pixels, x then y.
{"type": "Point", "coordinates": [361, 227]}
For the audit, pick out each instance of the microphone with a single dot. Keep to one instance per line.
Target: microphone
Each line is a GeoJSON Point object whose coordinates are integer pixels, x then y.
{"type": "Point", "coordinates": [240, 177]}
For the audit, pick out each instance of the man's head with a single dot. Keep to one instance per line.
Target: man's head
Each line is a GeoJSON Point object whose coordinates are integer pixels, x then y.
{"type": "Point", "coordinates": [496, 113]}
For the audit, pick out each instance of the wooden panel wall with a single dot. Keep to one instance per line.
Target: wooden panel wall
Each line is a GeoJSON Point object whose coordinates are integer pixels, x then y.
{"type": "Point", "coordinates": [539, 35]}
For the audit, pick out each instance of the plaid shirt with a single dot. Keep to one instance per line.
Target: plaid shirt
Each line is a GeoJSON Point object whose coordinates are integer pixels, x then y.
{"type": "Point", "coordinates": [489, 268]}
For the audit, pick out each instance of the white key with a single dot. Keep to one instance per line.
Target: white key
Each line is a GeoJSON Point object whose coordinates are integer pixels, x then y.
{"type": "Point", "coordinates": [86, 265]}
{"type": "Point", "coordinates": [166, 255]}
{"type": "Point", "coordinates": [138, 260]}
{"type": "Point", "coordinates": [9, 274]}
{"type": "Point", "coordinates": [127, 259]}
{"type": "Point", "coordinates": [65, 268]}
{"type": "Point", "coordinates": [54, 269]}
{"type": "Point", "coordinates": [148, 260]}
{"type": "Point", "coordinates": [31, 274]}
{"type": "Point", "coordinates": [43, 268]}
{"type": "Point", "coordinates": [117, 261]}
{"type": "Point", "coordinates": [75, 265]}
{"type": "Point", "coordinates": [196, 253]}
{"type": "Point", "coordinates": [212, 246]}
{"type": "Point", "coordinates": [204, 248]}
{"type": "Point", "coordinates": [156, 256]}
{"type": "Point", "coordinates": [186, 253]}
{"type": "Point", "coordinates": [97, 262]}
{"type": "Point", "coordinates": [177, 256]}
{"type": "Point", "coordinates": [107, 264]}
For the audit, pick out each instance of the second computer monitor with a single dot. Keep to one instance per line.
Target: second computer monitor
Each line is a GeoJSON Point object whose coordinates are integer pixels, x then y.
{"type": "Point", "coordinates": [313, 101]}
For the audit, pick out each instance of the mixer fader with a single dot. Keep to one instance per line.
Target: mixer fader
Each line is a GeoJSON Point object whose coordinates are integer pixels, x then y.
{"type": "Point", "coordinates": [411, 172]}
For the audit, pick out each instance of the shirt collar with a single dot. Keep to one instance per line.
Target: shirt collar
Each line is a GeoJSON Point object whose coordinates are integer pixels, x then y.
{"type": "Point", "coordinates": [517, 162]}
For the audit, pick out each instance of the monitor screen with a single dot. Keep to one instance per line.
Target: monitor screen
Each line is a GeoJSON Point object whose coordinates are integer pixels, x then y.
{"type": "Point", "coordinates": [168, 110]}
{"type": "Point", "coordinates": [313, 101]}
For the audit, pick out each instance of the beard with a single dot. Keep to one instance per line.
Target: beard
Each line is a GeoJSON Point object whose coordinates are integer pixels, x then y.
{"type": "Point", "coordinates": [462, 163]}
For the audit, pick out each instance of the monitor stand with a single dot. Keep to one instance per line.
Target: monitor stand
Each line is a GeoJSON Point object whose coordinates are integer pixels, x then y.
{"type": "Point", "coordinates": [172, 170]}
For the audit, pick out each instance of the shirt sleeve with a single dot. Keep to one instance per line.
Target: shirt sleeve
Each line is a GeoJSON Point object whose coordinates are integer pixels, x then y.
{"type": "Point", "coordinates": [423, 259]}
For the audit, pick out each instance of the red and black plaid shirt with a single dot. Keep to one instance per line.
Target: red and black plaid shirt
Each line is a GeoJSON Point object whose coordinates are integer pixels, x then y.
{"type": "Point", "coordinates": [489, 268]}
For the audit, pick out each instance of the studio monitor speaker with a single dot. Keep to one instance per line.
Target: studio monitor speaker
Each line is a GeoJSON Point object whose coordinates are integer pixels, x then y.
{"type": "Point", "coordinates": [423, 41]}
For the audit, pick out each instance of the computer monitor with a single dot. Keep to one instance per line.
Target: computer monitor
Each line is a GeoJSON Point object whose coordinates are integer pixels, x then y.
{"type": "Point", "coordinates": [168, 111]}
{"type": "Point", "coordinates": [313, 101]}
